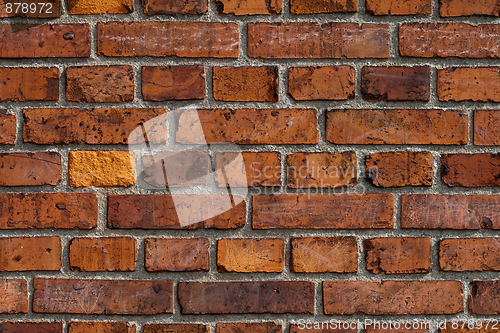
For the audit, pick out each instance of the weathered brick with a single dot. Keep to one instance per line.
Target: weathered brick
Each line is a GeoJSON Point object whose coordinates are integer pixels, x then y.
{"type": "Point", "coordinates": [261, 169]}
{"type": "Point", "coordinates": [471, 170]}
{"type": "Point", "coordinates": [245, 84]}
{"type": "Point", "coordinates": [145, 297]}
{"type": "Point", "coordinates": [250, 255]}
{"type": "Point", "coordinates": [265, 327]}
{"type": "Point", "coordinates": [323, 211]}
{"type": "Point", "coordinates": [93, 7]}
{"type": "Point", "coordinates": [321, 170]}
{"type": "Point", "coordinates": [303, 39]}
{"type": "Point", "coordinates": [397, 127]}
{"type": "Point", "coordinates": [324, 255]}
{"type": "Point", "coordinates": [166, 39]}
{"type": "Point", "coordinates": [30, 254]}
{"type": "Point", "coordinates": [45, 41]}
{"type": "Point", "coordinates": [486, 130]}
{"type": "Point", "coordinates": [483, 299]}
{"type": "Point", "coordinates": [246, 297]}
{"type": "Point", "coordinates": [393, 297]}
{"type": "Point", "coordinates": [173, 7]}
{"type": "Point", "coordinates": [398, 255]}
{"type": "Point", "coordinates": [29, 84]}
{"type": "Point", "coordinates": [427, 211]}
{"type": "Point", "coordinates": [30, 169]}
{"type": "Point", "coordinates": [450, 8]}
{"type": "Point", "coordinates": [396, 83]}
{"type": "Point", "coordinates": [31, 327]}
{"type": "Point", "coordinates": [94, 126]}
{"type": "Point", "coordinates": [173, 83]}
{"type": "Point", "coordinates": [7, 128]}
{"type": "Point", "coordinates": [159, 212]}
{"type": "Point", "coordinates": [177, 254]}
{"type": "Point", "coordinates": [469, 254]}
{"type": "Point", "coordinates": [14, 296]}
{"type": "Point", "coordinates": [393, 169]}
{"type": "Point", "coordinates": [325, 327]}
{"type": "Point", "coordinates": [45, 9]}
{"type": "Point", "coordinates": [99, 254]}
{"type": "Point", "coordinates": [248, 126]}
{"type": "Point", "coordinates": [479, 84]}
{"type": "Point", "coordinates": [321, 83]}
{"type": "Point", "coordinates": [100, 327]}
{"type": "Point", "coordinates": [100, 84]}
{"type": "Point", "coordinates": [298, 7]}
{"type": "Point", "coordinates": [176, 328]}
{"type": "Point", "coordinates": [101, 168]}
{"type": "Point", "coordinates": [249, 7]}
{"type": "Point", "coordinates": [398, 7]}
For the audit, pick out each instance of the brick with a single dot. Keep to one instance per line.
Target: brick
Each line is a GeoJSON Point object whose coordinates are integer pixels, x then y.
{"type": "Point", "coordinates": [469, 254]}
{"type": "Point", "coordinates": [138, 297]}
{"type": "Point", "coordinates": [100, 327]}
{"type": "Point", "coordinates": [405, 328]}
{"type": "Point", "coordinates": [396, 83]}
{"type": "Point", "coordinates": [94, 126]}
{"type": "Point", "coordinates": [30, 169]}
{"type": "Point", "coordinates": [462, 40]}
{"type": "Point", "coordinates": [31, 327]}
{"type": "Point", "coordinates": [7, 128]}
{"type": "Point", "coordinates": [173, 83]}
{"type": "Point", "coordinates": [331, 83]}
{"type": "Point", "coordinates": [487, 326]}
{"type": "Point", "coordinates": [251, 255]}
{"type": "Point", "coordinates": [321, 170]}
{"type": "Point", "coordinates": [486, 131]}
{"type": "Point", "coordinates": [45, 41]}
{"type": "Point", "coordinates": [483, 299]}
{"type": "Point", "coordinates": [394, 169]}
{"type": "Point", "coordinates": [48, 210]}
{"type": "Point", "coordinates": [325, 327]}
{"type": "Point", "coordinates": [471, 170]}
{"type": "Point", "coordinates": [427, 211]}
{"type": "Point", "coordinates": [157, 212]}
{"type": "Point", "coordinates": [93, 7]}
{"type": "Point", "coordinates": [245, 84]}
{"type": "Point", "coordinates": [479, 84]}
{"type": "Point", "coordinates": [301, 40]}
{"type": "Point", "coordinates": [266, 327]}
{"type": "Point", "coordinates": [29, 84]}
{"type": "Point", "coordinates": [393, 297]}
{"type": "Point", "coordinates": [249, 7]}
{"type": "Point", "coordinates": [100, 84]}
{"type": "Point", "coordinates": [450, 8]}
{"type": "Point", "coordinates": [172, 7]}
{"type": "Point", "coordinates": [261, 169]}
{"type": "Point", "coordinates": [177, 254]}
{"type": "Point", "coordinates": [101, 168]}
{"type": "Point", "coordinates": [324, 255]}
{"type": "Point", "coordinates": [248, 126]}
{"type": "Point", "coordinates": [397, 127]}
{"type": "Point", "coordinates": [246, 297]}
{"type": "Point", "coordinates": [99, 254]}
{"type": "Point", "coordinates": [30, 254]}
{"type": "Point", "coordinates": [298, 7]}
{"type": "Point", "coordinates": [398, 255]}
{"type": "Point", "coordinates": [14, 296]}
{"type": "Point", "coordinates": [323, 211]}
{"type": "Point", "coordinates": [176, 328]}
{"type": "Point", "coordinates": [399, 7]}
{"type": "Point", "coordinates": [166, 39]}
{"type": "Point", "coordinates": [49, 9]}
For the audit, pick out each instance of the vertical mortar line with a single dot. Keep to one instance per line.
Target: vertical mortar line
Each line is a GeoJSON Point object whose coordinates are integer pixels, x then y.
{"type": "Point", "coordinates": [65, 267]}
{"type": "Point", "coordinates": [209, 73]}
{"type": "Point", "coordinates": [243, 44]}
{"type": "Point", "coordinates": [137, 70]}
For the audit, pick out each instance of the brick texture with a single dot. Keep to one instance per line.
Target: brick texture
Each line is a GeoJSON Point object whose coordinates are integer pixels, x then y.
{"type": "Point", "coordinates": [482, 299]}
{"type": "Point", "coordinates": [471, 170]}
{"type": "Point", "coordinates": [399, 7]}
{"type": "Point", "coordinates": [92, 7]}
{"type": "Point", "coordinates": [177, 254]}
{"type": "Point", "coordinates": [100, 327]}
{"type": "Point", "coordinates": [31, 327]}
{"type": "Point", "coordinates": [269, 327]}
{"type": "Point", "coordinates": [30, 254]}
{"type": "Point", "coordinates": [29, 84]}
{"type": "Point", "coordinates": [176, 328]}
{"type": "Point", "coordinates": [172, 83]}
{"type": "Point", "coordinates": [7, 128]}
{"type": "Point", "coordinates": [298, 7]}
{"type": "Point", "coordinates": [478, 84]}
{"type": "Point", "coordinates": [469, 254]}
{"type": "Point", "coordinates": [252, 7]}
{"type": "Point", "coordinates": [453, 8]}
{"type": "Point", "coordinates": [30, 169]}
{"type": "Point", "coordinates": [14, 296]}
{"type": "Point", "coordinates": [486, 133]}
{"type": "Point", "coordinates": [169, 7]}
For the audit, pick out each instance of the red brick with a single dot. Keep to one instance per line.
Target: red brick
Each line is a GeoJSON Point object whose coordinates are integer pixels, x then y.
{"type": "Point", "coordinates": [169, 7]}
{"type": "Point", "coordinates": [173, 83]}
{"type": "Point", "coordinates": [483, 299]}
{"type": "Point", "coordinates": [166, 39]}
{"type": "Point", "coordinates": [14, 296]}
{"type": "Point", "coordinates": [48, 210]}
{"type": "Point", "coordinates": [249, 7]}
{"type": "Point", "coordinates": [246, 297]}
{"type": "Point", "coordinates": [321, 170]}
{"type": "Point", "coordinates": [324, 255]}
{"type": "Point", "coordinates": [450, 8]}
{"type": "Point", "coordinates": [393, 297]}
{"type": "Point", "coordinates": [248, 126]}
{"type": "Point", "coordinates": [94, 7]}
{"type": "Point", "coordinates": [48, 8]}
{"type": "Point", "coordinates": [145, 297]}
{"type": "Point", "coordinates": [158, 212]}
{"type": "Point", "coordinates": [397, 127]}
{"type": "Point", "coordinates": [177, 254]}
{"type": "Point", "coordinates": [245, 84]}
{"type": "Point", "coordinates": [30, 169]}
{"type": "Point", "coordinates": [176, 328]}
{"type": "Point", "coordinates": [45, 41]}
{"type": "Point", "coordinates": [100, 84]}
{"type": "Point", "coordinates": [325, 327]}
{"type": "Point", "coordinates": [323, 211]}
{"type": "Point", "coordinates": [393, 169]}
{"type": "Point", "coordinates": [29, 84]}
{"type": "Point", "coordinates": [30, 254]}
{"type": "Point", "coordinates": [471, 170]}
{"type": "Point", "coordinates": [94, 126]}
{"type": "Point", "coordinates": [100, 327]}
{"type": "Point", "coordinates": [398, 7]}
{"type": "Point", "coordinates": [99, 254]}
{"type": "Point", "coordinates": [396, 83]}
{"type": "Point", "coordinates": [7, 128]}
{"type": "Point", "coordinates": [469, 254]}
{"type": "Point", "coordinates": [298, 7]}
{"type": "Point", "coordinates": [479, 84]}
{"type": "Point", "coordinates": [486, 130]}
{"type": "Point", "coordinates": [31, 327]}
{"type": "Point", "coordinates": [402, 255]}
{"type": "Point", "coordinates": [267, 327]}
{"type": "Point", "coordinates": [322, 83]}
{"type": "Point", "coordinates": [427, 211]}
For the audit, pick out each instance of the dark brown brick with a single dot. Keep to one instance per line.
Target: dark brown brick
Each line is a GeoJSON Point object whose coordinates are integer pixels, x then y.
{"type": "Point", "coordinates": [177, 254]}
{"type": "Point", "coordinates": [174, 7]}
{"type": "Point", "coordinates": [29, 84]}
{"type": "Point", "coordinates": [30, 254]}
{"type": "Point", "coordinates": [30, 169]}
{"type": "Point", "coordinates": [469, 254]}
{"type": "Point", "coordinates": [478, 84]}
{"type": "Point", "coordinates": [483, 299]}
{"type": "Point", "coordinates": [450, 8]}
{"type": "Point", "coordinates": [249, 7]}
{"type": "Point", "coordinates": [7, 128]}
{"type": "Point", "coordinates": [45, 9]}
{"type": "Point", "coordinates": [176, 328]}
{"type": "Point", "coordinates": [268, 327]}
{"type": "Point", "coordinates": [100, 327]}
{"type": "Point", "coordinates": [398, 7]}
{"type": "Point", "coordinates": [14, 296]}
{"type": "Point", "coordinates": [298, 7]}
{"type": "Point", "coordinates": [486, 130]}
{"type": "Point", "coordinates": [31, 327]}
{"type": "Point", "coordinates": [173, 83]}
{"type": "Point", "coordinates": [471, 170]}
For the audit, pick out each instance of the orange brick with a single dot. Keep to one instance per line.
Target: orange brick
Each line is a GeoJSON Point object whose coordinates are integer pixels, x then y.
{"type": "Point", "coordinates": [399, 7]}
{"type": "Point", "coordinates": [268, 327]}
{"type": "Point", "coordinates": [100, 327]}
{"type": "Point", "coordinates": [29, 84]}
{"type": "Point", "coordinates": [14, 296]}
{"type": "Point", "coordinates": [177, 254]}
{"type": "Point", "coordinates": [249, 7]}
{"type": "Point", "coordinates": [169, 7]}
{"type": "Point", "coordinates": [486, 130]}
{"type": "Point", "coordinates": [450, 8]}
{"type": "Point", "coordinates": [93, 7]}
{"type": "Point", "coordinates": [176, 328]}
{"type": "Point", "coordinates": [298, 7]}
{"type": "Point", "coordinates": [30, 254]}
{"type": "Point", "coordinates": [171, 83]}
{"type": "Point", "coordinates": [469, 254]}
{"type": "Point", "coordinates": [7, 128]}
{"type": "Point", "coordinates": [479, 84]}
{"type": "Point", "coordinates": [471, 170]}
{"type": "Point", "coordinates": [30, 169]}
